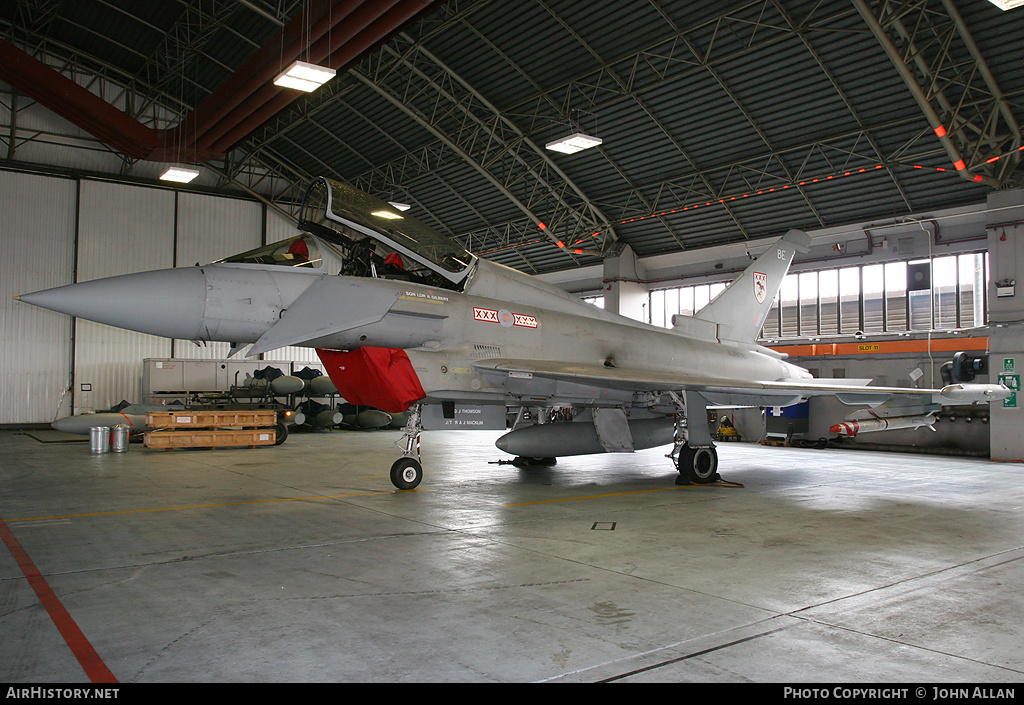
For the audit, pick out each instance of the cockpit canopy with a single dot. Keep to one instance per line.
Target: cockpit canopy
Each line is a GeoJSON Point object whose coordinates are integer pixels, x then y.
{"type": "Point", "coordinates": [303, 251]}
{"type": "Point", "coordinates": [336, 211]}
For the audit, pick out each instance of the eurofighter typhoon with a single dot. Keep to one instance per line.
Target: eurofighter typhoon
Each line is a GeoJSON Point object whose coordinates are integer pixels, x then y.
{"type": "Point", "coordinates": [402, 316]}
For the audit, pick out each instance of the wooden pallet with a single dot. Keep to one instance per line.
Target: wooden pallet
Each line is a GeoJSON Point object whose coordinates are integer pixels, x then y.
{"type": "Point", "coordinates": [210, 438]}
{"type": "Point", "coordinates": [210, 428]}
{"type": "Point", "coordinates": [211, 418]}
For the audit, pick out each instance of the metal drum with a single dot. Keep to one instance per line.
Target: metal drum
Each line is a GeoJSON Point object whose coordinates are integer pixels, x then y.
{"type": "Point", "coordinates": [99, 439]}
{"type": "Point", "coordinates": [119, 438]}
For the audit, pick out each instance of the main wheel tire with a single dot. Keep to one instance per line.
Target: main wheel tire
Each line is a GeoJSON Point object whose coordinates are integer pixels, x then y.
{"type": "Point", "coordinates": [698, 465]}
{"type": "Point", "coordinates": [406, 473]}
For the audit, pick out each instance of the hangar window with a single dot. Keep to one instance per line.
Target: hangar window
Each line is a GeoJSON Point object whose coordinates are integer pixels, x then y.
{"type": "Point", "coordinates": [687, 300]}
{"type": "Point", "coordinates": [941, 293]}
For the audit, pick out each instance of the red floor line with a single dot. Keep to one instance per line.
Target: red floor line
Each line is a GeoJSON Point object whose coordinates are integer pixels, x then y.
{"type": "Point", "coordinates": [76, 641]}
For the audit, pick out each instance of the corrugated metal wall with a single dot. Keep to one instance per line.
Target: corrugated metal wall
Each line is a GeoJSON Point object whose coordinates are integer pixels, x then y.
{"type": "Point", "coordinates": [121, 229]}
{"type": "Point", "coordinates": [55, 231]}
{"type": "Point", "coordinates": [37, 236]}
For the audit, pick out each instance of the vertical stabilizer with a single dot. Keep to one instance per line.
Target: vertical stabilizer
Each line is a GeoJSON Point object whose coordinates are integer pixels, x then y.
{"type": "Point", "coordinates": [740, 310]}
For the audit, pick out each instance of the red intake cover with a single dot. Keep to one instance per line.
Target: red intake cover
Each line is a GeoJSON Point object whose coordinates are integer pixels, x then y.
{"type": "Point", "coordinates": [379, 377]}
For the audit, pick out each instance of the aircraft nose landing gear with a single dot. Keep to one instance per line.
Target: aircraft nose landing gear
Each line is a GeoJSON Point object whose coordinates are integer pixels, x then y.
{"type": "Point", "coordinates": [407, 472]}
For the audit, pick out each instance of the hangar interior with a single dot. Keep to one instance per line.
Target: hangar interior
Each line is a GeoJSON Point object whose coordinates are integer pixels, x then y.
{"type": "Point", "coordinates": [886, 130]}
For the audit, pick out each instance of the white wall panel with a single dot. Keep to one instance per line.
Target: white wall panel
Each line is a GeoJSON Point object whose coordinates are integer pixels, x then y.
{"type": "Point", "coordinates": [121, 229]}
{"type": "Point", "coordinates": [278, 227]}
{"type": "Point", "coordinates": [37, 235]}
{"type": "Point", "coordinates": [211, 228]}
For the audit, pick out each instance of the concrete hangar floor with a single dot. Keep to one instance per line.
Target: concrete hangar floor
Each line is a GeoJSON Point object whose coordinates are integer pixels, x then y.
{"type": "Point", "coordinates": [301, 563]}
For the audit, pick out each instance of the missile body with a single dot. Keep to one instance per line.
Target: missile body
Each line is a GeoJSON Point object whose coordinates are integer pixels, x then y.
{"type": "Point", "coordinates": [852, 428]}
{"type": "Point", "coordinates": [81, 423]}
{"type": "Point", "coordinates": [552, 440]}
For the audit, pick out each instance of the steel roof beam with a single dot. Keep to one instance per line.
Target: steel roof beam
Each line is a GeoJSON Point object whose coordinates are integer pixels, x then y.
{"type": "Point", "coordinates": [429, 92]}
{"type": "Point", "coordinates": [941, 65]}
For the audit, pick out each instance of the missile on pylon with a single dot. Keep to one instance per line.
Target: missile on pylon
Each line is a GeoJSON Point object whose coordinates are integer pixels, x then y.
{"type": "Point", "coordinates": [852, 428]}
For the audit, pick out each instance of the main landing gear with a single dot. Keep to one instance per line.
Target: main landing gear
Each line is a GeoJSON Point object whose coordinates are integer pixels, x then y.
{"type": "Point", "coordinates": [407, 472]}
{"type": "Point", "coordinates": [693, 453]}
{"type": "Point", "coordinates": [696, 465]}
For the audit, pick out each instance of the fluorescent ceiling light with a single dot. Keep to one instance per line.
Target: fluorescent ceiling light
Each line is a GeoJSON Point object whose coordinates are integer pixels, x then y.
{"type": "Point", "coordinates": [179, 174]}
{"type": "Point", "coordinates": [1007, 4]}
{"type": "Point", "coordinates": [399, 206]}
{"type": "Point", "coordinates": [304, 77]}
{"type": "Point", "coordinates": [387, 214]}
{"type": "Point", "coordinates": [574, 143]}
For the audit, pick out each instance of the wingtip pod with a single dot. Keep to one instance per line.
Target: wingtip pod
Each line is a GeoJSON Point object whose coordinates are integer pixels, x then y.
{"type": "Point", "coordinates": [800, 240]}
{"type": "Point", "coordinates": [974, 393]}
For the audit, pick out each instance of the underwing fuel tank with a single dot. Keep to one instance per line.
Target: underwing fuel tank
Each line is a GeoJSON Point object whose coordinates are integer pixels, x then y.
{"type": "Point", "coordinates": [553, 440]}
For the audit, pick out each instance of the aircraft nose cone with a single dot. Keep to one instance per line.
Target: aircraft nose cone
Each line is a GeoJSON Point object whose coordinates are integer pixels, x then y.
{"type": "Point", "coordinates": [166, 302]}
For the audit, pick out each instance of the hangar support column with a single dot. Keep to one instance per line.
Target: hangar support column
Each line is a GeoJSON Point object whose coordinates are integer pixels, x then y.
{"type": "Point", "coordinates": [1006, 317]}
{"type": "Point", "coordinates": [624, 290]}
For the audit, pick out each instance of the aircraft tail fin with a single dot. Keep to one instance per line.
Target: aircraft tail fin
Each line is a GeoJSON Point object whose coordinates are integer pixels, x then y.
{"type": "Point", "coordinates": [740, 310]}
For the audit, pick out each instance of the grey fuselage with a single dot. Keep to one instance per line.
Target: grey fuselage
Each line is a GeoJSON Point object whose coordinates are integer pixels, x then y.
{"type": "Point", "coordinates": [503, 314]}
{"type": "Point", "coordinates": [449, 335]}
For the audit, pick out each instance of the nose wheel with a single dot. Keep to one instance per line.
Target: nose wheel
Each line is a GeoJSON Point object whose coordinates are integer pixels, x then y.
{"type": "Point", "coordinates": [407, 472]}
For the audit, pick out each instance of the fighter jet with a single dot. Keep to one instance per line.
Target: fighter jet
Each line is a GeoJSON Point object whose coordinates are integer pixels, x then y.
{"type": "Point", "coordinates": [402, 316]}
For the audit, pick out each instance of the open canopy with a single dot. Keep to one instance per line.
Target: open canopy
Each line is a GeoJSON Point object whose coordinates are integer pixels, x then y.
{"type": "Point", "coordinates": [356, 215]}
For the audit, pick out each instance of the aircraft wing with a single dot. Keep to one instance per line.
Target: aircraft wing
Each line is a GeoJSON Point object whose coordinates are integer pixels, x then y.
{"type": "Point", "coordinates": [737, 392]}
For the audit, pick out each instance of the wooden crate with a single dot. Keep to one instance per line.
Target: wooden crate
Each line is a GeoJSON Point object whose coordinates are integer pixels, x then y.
{"type": "Point", "coordinates": [209, 438]}
{"type": "Point", "coordinates": [212, 418]}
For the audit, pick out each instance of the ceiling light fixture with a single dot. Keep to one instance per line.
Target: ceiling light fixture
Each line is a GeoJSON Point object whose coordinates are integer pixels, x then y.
{"type": "Point", "coordinates": [399, 206]}
{"type": "Point", "coordinates": [179, 174]}
{"type": "Point", "coordinates": [1007, 4]}
{"type": "Point", "coordinates": [573, 143]}
{"type": "Point", "coordinates": [304, 76]}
